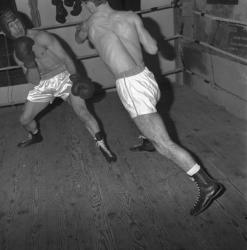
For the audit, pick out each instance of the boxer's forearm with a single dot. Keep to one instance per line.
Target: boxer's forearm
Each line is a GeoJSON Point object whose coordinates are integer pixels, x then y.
{"type": "Point", "coordinates": [33, 76]}
{"type": "Point", "coordinates": [81, 34]}
{"type": "Point", "coordinates": [69, 63]}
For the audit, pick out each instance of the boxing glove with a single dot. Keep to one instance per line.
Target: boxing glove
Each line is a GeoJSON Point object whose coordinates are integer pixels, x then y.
{"type": "Point", "coordinates": [23, 51]}
{"type": "Point", "coordinates": [81, 87]}
{"type": "Point", "coordinates": [61, 12]}
{"type": "Point", "coordinates": [76, 8]}
{"type": "Point", "coordinates": [69, 3]}
{"type": "Point", "coordinates": [54, 2]}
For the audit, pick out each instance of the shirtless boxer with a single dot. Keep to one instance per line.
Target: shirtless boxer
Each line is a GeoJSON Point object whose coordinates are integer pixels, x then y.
{"type": "Point", "coordinates": [53, 73]}
{"type": "Point", "coordinates": [118, 36]}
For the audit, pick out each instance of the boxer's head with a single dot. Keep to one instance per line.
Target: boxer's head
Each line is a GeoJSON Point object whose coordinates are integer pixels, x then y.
{"type": "Point", "coordinates": [11, 24]}
{"type": "Point", "coordinates": [93, 4]}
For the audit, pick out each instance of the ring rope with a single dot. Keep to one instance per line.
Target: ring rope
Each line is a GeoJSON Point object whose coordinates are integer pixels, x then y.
{"type": "Point", "coordinates": [226, 20]}
{"type": "Point", "coordinates": [95, 55]}
{"type": "Point", "coordinates": [9, 68]}
{"type": "Point", "coordinates": [208, 81]}
{"type": "Point", "coordinates": [238, 58]}
{"type": "Point", "coordinates": [187, 39]}
{"type": "Point", "coordinates": [87, 56]}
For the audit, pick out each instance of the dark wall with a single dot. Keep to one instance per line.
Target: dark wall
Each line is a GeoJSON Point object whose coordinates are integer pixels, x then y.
{"type": "Point", "coordinates": [132, 5]}
{"type": "Point", "coordinates": [125, 4]}
{"type": "Point", "coordinates": [8, 77]}
{"type": "Point", "coordinates": [118, 5]}
{"type": "Point", "coordinates": [7, 4]}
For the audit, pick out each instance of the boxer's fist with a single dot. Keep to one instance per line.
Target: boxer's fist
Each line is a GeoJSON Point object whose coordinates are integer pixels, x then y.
{"type": "Point", "coordinates": [82, 87]}
{"type": "Point", "coordinates": [23, 51]}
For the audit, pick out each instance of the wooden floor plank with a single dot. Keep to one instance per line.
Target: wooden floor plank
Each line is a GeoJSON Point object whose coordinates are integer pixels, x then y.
{"type": "Point", "coordinates": [62, 194]}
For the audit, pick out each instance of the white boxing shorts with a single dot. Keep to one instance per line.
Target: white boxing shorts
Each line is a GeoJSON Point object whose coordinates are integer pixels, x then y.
{"type": "Point", "coordinates": [47, 90]}
{"type": "Point", "coordinates": [138, 91]}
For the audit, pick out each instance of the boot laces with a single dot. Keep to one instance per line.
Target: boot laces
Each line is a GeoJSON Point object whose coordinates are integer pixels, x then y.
{"type": "Point", "coordinates": [101, 144]}
{"type": "Point", "coordinates": [198, 195]}
{"type": "Point", "coordinates": [142, 137]}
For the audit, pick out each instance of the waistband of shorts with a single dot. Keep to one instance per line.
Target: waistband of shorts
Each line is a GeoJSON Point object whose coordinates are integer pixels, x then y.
{"type": "Point", "coordinates": [53, 73]}
{"type": "Point", "coordinates": [134, 71]}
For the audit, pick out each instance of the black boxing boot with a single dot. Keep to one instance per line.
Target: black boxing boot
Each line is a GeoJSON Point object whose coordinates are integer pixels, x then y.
{"type": "Point", "coordinates": [209, 190]}
{"type": "Point", "coordinates": [100, 143]}
{"type": "Point", "coordinates": [32, 139]}
{"type": "Point", "coordinates": [144, 145]}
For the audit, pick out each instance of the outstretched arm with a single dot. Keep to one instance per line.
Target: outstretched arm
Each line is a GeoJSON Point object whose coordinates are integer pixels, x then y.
{"type": "Point", "coordinates": [148, 42]}
{"type": "Point", "coordinates": [50, 42]}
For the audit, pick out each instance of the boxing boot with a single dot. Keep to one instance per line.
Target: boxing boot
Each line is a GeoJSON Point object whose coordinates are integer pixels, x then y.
{"type": "Point", "coordinates": [76, 8]}
{"type": "Point", "coordinates": [144, 145]}
{"type": "Point", "coordinates": [100, 143]}
{"type": "Point", "coordinates": [209, 190]}
{"type": "Point", "coordinates": [32, 139]}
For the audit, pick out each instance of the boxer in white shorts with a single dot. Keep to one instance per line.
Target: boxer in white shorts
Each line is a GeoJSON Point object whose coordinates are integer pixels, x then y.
{"type": "Point", "coordinates": [48, 89]}
{"type": "Point", "coordinates": [53, 74]}
{"type": "Point", "coordinates": [138, 91]}
{"type": "Point", "coordinates": [118, 37]}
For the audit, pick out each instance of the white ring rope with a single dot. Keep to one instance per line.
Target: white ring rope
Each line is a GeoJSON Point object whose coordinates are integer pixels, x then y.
{"type": "Point", "coordinates": [225, 20]}
{"type": "Point", "coordinates": [193, 73]}
{"type": "Point", "coordinates": [88, 56]}
{"type": "Point", "coordinates": [238, 58]}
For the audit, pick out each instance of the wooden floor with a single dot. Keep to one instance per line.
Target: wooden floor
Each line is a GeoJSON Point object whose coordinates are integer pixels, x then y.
{"type": "Point", "coordinates": [61, 194]}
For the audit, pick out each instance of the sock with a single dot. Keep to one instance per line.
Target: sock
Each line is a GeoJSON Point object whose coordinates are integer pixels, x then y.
{"type": "Point", "coordinates": [35, 132]}
{"type": "Point", "coordinates": [99, 136]}
{"type": "Point", "coordinates": [193, 170]}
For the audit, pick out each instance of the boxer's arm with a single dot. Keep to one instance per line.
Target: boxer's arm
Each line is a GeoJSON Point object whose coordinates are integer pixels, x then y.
{"type": "Point", "coordinates": [50, 42]}
{"type": "Point", "coordinates": [148, 42]}
{"type": "Point", "coordinates": [81, 33]}
{"type": "Point", "coordinates": [20, 63]}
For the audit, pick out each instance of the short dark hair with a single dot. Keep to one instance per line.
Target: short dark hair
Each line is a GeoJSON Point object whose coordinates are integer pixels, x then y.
{"type": "Point", "coordinates": [96, 2]}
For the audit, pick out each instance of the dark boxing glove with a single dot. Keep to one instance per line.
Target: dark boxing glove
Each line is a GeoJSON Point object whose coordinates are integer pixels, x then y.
{"type": "Point", "coordinates": [23, 51]}
{"type": "Point", "coordinates": [69, 3]}
{"type": "Point", "coordinates": [76, 8]}
{"type": "Point", "coordinates": [61, 12]}
{"type": "Point", "coordinates": [81, 87]}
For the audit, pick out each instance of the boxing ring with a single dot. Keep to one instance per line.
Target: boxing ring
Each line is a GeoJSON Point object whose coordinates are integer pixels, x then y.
{"type": "Point", "coordinates": [178, 38]}
{"type": "Point", "coordinates": [73, 24]}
